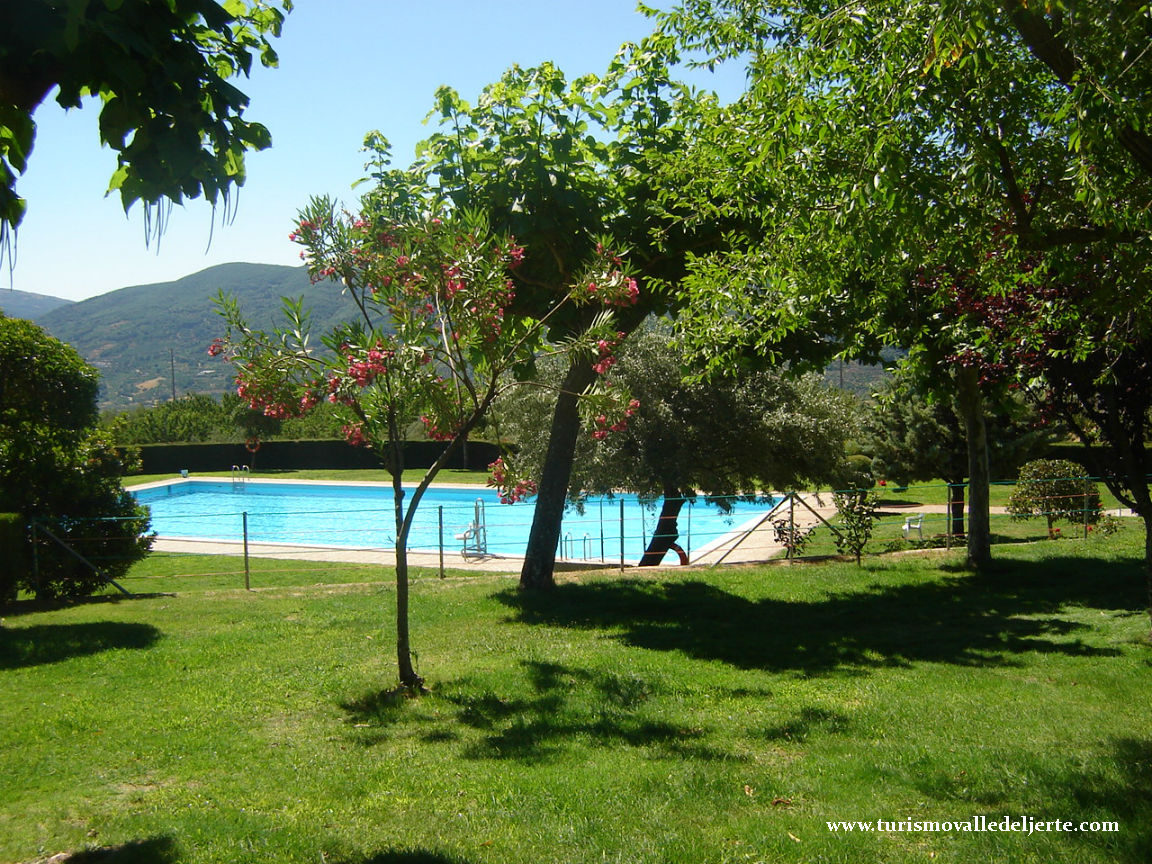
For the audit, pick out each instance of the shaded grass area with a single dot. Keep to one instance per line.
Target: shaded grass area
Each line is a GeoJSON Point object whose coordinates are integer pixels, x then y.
{"type": "Point", "coordinates": [686, 716]}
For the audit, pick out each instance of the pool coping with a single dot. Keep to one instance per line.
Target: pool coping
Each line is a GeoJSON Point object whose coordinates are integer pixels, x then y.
{"type": "Point", "coordinates": [746, 543]}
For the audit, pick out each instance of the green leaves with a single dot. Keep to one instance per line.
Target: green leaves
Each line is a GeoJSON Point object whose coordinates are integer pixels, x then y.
{"type": "Point", "coordinates": [161, 72]}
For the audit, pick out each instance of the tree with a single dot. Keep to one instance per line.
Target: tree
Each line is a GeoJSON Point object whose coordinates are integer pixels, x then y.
{"type": "Point", "coordinates": [916, 435]}
{"type": "Point", "coordinates": [193, 417]}
{"type": "Point", "coordinates": [724, 439]}
{"type": "Point", "coordinates": [161, 70]}
{"type": "Point", "coordinates": [857, 511]}
{"type": "Point", "coordinates": [1055, 489]}
{"type": "Point", "coordinates": [555, 164]}
{"type": "Point", "coordinates": [1073, 338]}
{"type": "Point", "coordinates": [57, 469]}
{"type": "Point", "coordinates": [910, 148]}
{"type": "Point", "coordinates": [434, 335]}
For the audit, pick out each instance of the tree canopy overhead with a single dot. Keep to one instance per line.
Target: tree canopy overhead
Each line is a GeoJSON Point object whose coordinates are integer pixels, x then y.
{"type": "Point", "coordinates": [161, 71]}
{"type": "Point", "coordinates": [889, 136]}
{"type": "Point", "coordinates": [917, 157]}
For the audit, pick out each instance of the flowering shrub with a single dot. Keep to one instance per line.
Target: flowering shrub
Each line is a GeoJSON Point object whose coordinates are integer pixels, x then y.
{"type": "Point", "coordinates": [435, 337]}
{"type": "Point", "coordinates": [508, 485]}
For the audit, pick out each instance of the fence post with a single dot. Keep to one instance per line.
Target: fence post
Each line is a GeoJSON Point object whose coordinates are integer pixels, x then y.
{"type": "Point", "coordinates": [1087, 497]}
{"type": "Point", "coordinates": [621, 535]}
{"type": "Point", "coordinates": [247, 573]}
{"type": "Point", "coordinates": [440, 517]}
{"type": "Point", "coordinates": [948, 518]}
{"type": "Point", "coordinates": [791, 547]}
{"type": "Point", "coordinates": [36, 559]}
{"type": "Point", "coordinates": [602, 553]}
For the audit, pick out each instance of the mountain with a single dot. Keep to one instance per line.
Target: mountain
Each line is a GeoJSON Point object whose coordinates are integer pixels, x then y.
{"type": "Point", "coordinates": [24, 304]}
{"type": "Point", "coordinates": [135, 336]}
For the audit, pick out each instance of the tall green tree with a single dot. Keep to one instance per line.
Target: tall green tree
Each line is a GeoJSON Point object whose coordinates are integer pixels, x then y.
{"type": "Point", "coordinates": [161, 71]}
{"type": "Point", "coordinates": [915, 435]}
{"type": "Point", "coordinates": [558, 164]}
{"type": "Point", "coordinates": [909, 148]}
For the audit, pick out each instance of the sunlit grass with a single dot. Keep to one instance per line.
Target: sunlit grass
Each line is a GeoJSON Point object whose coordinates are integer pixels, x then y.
{"type": "Point", "coordinates": [686, 716]}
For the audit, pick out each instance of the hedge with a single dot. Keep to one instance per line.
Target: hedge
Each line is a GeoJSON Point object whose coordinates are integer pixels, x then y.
{"type": "Point", "coordinates": [290, 455]}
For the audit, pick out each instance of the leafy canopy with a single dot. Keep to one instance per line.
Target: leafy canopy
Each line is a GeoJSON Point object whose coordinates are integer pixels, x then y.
{"type": "Point", "coordinates": [161, 71]}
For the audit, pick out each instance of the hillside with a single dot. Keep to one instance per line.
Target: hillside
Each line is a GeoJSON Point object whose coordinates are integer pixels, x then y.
{"type": "Point", "coordinates": [135, 335]}
{"type": "Point", "coordinates": [24, 304]}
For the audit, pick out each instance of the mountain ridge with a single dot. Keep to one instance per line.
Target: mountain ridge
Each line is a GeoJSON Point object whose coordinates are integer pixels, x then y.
{"type": "Point", "coordinates": [27, 304]}
{"type": "Point", "coordinates": [139, 335]}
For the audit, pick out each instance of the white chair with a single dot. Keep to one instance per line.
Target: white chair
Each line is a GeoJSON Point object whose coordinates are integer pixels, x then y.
{"type": "Point", "coordinates": [914, 523]}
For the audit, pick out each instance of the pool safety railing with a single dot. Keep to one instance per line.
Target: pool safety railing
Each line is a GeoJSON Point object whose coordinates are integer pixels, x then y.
{"type": "Point", "coordinates": [240, 475]}
{"type": "Point", "coordinates": [569, 549]}
{"type": "Point", "coordinates": [475, 536]}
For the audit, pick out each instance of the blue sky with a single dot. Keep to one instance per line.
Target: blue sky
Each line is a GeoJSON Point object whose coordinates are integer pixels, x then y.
{"type": "Point", "coordinates": [346, 67]}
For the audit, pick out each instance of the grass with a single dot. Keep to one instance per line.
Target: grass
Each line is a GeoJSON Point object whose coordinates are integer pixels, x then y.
{"type": "Point", "coordinates": [686, 716]}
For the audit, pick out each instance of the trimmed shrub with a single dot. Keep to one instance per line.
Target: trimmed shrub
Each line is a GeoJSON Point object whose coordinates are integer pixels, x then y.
{"type": "Point", "coordinates": [1055, 489]}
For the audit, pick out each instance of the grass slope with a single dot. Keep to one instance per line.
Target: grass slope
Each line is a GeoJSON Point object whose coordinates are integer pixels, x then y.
{"type": "Point", "coordinates": [128, 334]}
{"type": "Point", "coordinates": [694, 716]}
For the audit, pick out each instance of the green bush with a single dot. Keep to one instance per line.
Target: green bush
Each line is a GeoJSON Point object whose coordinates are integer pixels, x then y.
{"type": "Point", "coordinates": [857, 509]}
{"type": "Point", "coordinates": [1055, 489]}
{"type": "Point", "coordinates": [59, 471]}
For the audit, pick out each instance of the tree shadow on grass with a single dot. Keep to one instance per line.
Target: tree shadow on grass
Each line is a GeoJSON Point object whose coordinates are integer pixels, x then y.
{"type": "Point", "coordinates": [1099, 797]}
{"type": "Point", "coordinates": [560, 706]}
{"type": "Point", "coordinates": [962, 619]}
{"type": "Point", "coordinates": [42, 644]}
{"type": "Point", "coordinates": [35, 605]}
{"type": "Point", "coordinates": [154, 850]}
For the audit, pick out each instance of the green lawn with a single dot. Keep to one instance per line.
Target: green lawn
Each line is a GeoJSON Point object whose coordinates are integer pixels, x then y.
{"type": "Point", "coordinates": [687, 716]}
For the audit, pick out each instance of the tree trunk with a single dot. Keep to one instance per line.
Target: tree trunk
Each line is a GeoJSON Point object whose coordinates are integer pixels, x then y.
{"type": "Point", "coordinates": [1148, 566]}
{"type": "Point", "coordinates": [956, 508]}
{"type": "Point", "coordinates": [409, 680]}
{"type": "Point", "coordinates": [971, 406]}
{"type": "Point", "coordinates": [667, 529]}
{"type": "Point", "coordinates": [540, 553]}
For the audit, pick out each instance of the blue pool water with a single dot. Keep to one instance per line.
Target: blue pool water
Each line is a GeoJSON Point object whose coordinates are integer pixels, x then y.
{"type": "Point", "coordinates": [317, 514]}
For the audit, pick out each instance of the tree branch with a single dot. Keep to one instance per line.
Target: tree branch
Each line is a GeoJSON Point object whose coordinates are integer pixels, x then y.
{"type": "Point", "coordinates": [1047, 47]}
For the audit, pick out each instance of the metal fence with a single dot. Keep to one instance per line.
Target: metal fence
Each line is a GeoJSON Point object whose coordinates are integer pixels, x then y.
{"type": "Point", "coordinates": [257, 551]}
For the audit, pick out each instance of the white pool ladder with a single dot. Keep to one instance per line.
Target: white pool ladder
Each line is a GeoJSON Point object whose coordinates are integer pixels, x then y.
{"type": "Point", "coordinates": [475, 536]}
{"type": "Point", "coordinates": [240, 475]}
{"type": "Point", "coordinates": [570, 546]}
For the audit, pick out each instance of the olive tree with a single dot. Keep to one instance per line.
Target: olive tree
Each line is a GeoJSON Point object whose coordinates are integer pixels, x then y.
{"type": "Point", "coordinates": [721, 439]}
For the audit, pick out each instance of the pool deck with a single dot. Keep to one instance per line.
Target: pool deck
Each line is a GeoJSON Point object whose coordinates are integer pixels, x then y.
{"type": "Point", "coordinates": [754, 543]}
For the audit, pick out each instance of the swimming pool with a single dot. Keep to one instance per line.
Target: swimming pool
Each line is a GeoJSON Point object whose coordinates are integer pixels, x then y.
{"type": "Point", "coordinates": [361, 516]}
